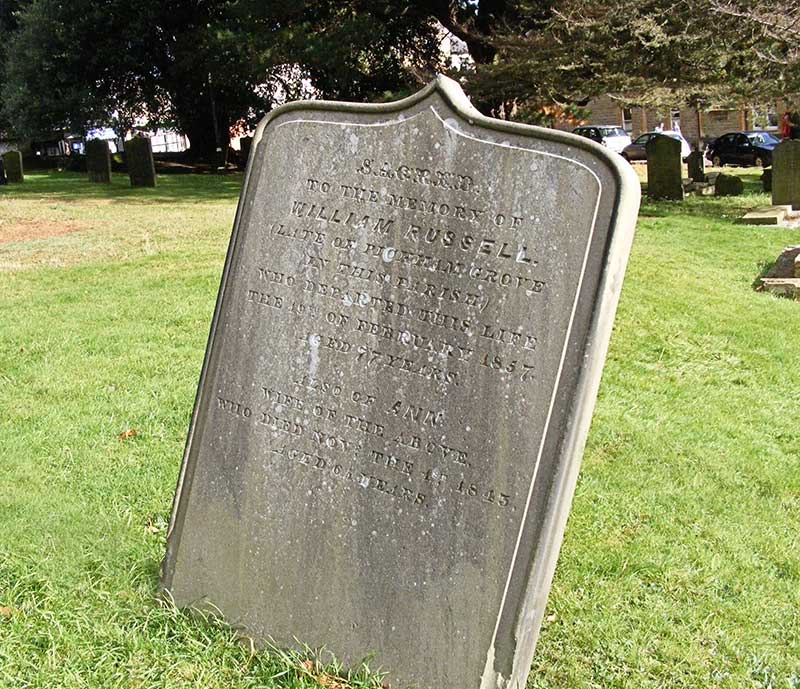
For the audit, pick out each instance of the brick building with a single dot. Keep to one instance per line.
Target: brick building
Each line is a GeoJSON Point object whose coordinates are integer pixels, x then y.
{"type": "Point", "coordinates": [697, 126]}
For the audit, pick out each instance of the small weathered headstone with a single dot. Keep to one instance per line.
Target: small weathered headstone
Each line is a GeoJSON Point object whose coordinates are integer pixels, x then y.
{"type": "Point", "coordinates": [786, 174]}
{"type": "Point", "coordinates": [766, 180]}
{"type": "Point", "coordinates": [696, 164]}
{"type": "Point", "coordinates": [411, 328]}
{"type": "Point", "coordinates": [664, 168]}
{"type": "Point", "coordinates": [728, 185]}
{"type": "Point", "coordinates": [12, 161]}
{"type": "Point", "coordinates": [139, 156]}
{"type": "Point", "coordinates": [98, 161]}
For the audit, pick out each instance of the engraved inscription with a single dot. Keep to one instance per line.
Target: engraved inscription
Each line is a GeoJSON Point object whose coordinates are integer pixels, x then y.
{"type": "Point", "coordinates": [402, 272]}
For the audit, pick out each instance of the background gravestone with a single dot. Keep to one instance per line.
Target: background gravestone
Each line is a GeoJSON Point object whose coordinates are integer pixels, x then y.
{"type": "Point", "coordinates": [139, 156]}
{"type": "Point", "coordinates": [12, 161]}
{"type": "Point", "coordinates": [786, 174]}
{"type": "Point", "coordinates": [766, 180]}
{"type": "Point", "coordinates": [245, 144]}
{"type": "Point", "coordinates": [408, 343]}
{"type": "Point", "coordinates": [98, 161]}
{"type": "Point", "coordinates": [664, 168]}
{"type": "Point", "coordinates": [696, 164]}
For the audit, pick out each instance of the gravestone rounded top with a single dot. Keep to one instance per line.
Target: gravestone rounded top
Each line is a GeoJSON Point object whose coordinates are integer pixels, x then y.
{"type": "Point", "coordinates": [406, 349]}
{"type": "Point", "coordinates": [662, 142]}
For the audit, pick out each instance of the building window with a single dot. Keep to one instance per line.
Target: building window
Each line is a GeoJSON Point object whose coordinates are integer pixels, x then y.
{"type": "Point", "coordinates": [627, 119]}
{"type": "Point", "coordinates": [675, 120]}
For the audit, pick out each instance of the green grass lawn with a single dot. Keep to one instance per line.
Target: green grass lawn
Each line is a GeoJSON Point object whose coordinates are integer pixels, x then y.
{"type": "Point", "coordinates": [681, 564]}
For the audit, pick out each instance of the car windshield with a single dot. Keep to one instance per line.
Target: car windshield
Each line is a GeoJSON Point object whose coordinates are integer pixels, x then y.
{"type": "Point", "coordinates": [613, 131]}
{"type": "Point", "coordinates": [762, 138]}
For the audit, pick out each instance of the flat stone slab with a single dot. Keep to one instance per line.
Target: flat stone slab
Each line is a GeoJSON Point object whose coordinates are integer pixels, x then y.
{"type": "Point", "coordinates": [782, 287]}
{"type": "Point", "coordinates": [403, 362]}
{"type": "Point", "coordinates": [778, 216]}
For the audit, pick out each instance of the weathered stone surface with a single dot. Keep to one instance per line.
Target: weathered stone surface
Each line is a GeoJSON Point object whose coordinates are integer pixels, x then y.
{"type": "Point", "coordinates": [408, 341]}
{"type": "Point", "coordinates": [777, 216]}
{"type": "Point", "coordinates": [98, 161]}
{"type": "Point", "coordinates": [12, 161]}
{"type": "Point", "coordinates": [728, 185]}
{"type": "Point", "coordinates": [664, 168]}
{"type": "Point", "coordinates": [786, 174]}
{"type": "Point", "coordinates": [787, 264]}
{"type": "Point", "coordinates": [782, 287]}
{"type": "Point", "coordinates": [696, 163]}
{"type": "Point", "coordinates": [141, 166]}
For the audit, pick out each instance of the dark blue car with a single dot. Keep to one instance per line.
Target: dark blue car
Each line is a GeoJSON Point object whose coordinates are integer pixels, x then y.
{"type": "Point", "coordinates": [742, 148]}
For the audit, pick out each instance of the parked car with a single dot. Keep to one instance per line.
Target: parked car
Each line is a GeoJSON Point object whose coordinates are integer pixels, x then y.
{"type": "Point", "coordinates": [615, 138]}
{"type": "Point", "coordinates": [637, 150]}
{"type": "Point", "coordinates": [742, 148]}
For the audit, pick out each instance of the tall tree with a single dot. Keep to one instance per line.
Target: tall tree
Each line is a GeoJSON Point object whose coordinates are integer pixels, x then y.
{"type": "Point", "coordinates": [201, 65]}
{"type": "Point", "coordinates": [530, 54]}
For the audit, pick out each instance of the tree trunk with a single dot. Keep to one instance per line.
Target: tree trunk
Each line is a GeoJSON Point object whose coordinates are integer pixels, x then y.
{"type": "Point", "coordinates": [204, 138]}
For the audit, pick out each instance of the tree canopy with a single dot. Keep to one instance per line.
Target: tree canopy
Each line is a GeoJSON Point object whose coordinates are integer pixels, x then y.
{"type": "Point", "coordinates": [204, 66]}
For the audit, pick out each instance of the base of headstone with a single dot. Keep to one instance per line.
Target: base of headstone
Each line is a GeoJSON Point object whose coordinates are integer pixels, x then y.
{"type": "Point", "coordinates": [782, 287]}
{"type": "Point", "coordinates": [698, 188]}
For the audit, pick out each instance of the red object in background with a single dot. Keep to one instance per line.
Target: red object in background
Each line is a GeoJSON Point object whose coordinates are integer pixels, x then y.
{"type": "Point", "coordinates": [786, 126]}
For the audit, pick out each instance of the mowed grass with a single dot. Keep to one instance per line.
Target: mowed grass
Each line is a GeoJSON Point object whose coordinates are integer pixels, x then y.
{"type": "Point", "coordinates": [681, 564]}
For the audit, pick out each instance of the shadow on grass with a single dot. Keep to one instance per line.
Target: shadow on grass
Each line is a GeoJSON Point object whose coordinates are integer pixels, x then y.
{"type": "Point", "coordinates": [719, 207]}
{"type": "Point", "coordinates": [171, 188]}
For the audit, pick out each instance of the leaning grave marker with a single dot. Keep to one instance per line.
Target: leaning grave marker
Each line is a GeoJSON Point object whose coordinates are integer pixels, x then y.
{"type": "Point", "coordinates": [403, 361]}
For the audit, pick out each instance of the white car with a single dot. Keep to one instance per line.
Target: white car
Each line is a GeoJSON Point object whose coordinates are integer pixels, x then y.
{"type": "Point", "coordinates": [638, 149]}
{"type": "Point", "coordinates": [611, 136]}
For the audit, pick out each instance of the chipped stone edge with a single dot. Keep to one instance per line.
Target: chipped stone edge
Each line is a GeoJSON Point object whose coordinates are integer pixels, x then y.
{"type": "Point", "coordinates": [623, 222]}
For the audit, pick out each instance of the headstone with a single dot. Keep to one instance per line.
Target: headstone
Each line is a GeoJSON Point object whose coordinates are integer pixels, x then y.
{"type": "Point", "coordinates": [664, 168]}
{"type": "Point", "coordinates": [409, 337]}
{"type": "Point", "coordinates": [12, 161]}
{"type": "Point", "coordinates": [696, 164]}
{"type": "Point", "coordinates": [98, 161]}
{"type": "Point", "coordinates": [728, 185]}
{"type": "Point", "coordinates": [786, 174]}
{"type": "Point", "coordinates": [766, 180]}
{"type": "Point", "coordinates": [245, 144]}
{"type": "Point", "coordinates": [783, 278]}
{"type": "Point", "coordinates": [3, 180]}
{"type": "Point", "coordinates": [139, 156]}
